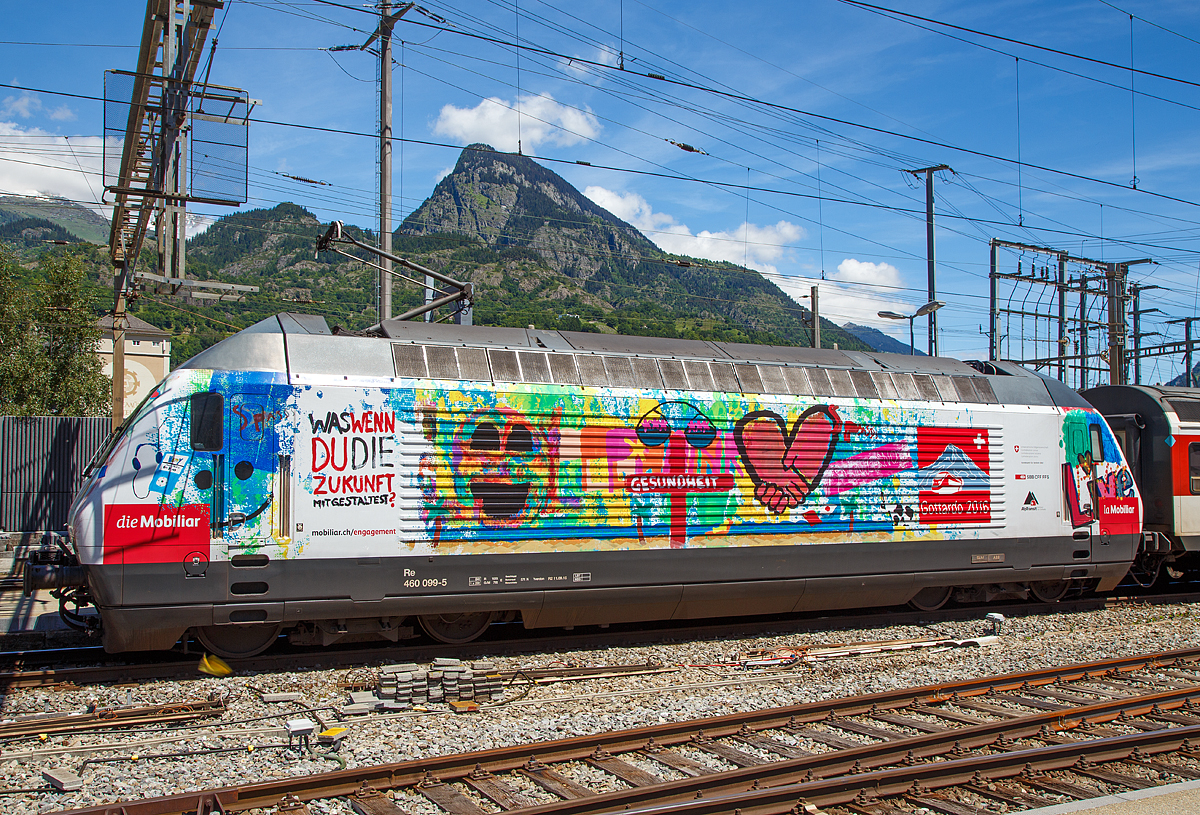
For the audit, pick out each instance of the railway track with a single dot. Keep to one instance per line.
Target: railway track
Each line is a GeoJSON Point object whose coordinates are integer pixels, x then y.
{"type": "Point", "coordinates": [1017, 741]}
{"type": "Point", "coordinates": [29, 669]}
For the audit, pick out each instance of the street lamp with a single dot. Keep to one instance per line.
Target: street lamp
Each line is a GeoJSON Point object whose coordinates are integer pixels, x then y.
{"type": "Point", "coordinates": [928, 308]}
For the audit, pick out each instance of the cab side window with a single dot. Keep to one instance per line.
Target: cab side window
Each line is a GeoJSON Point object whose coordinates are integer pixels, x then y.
{"type": "Point", "coordinates": [1097, 443]}
{"type": "Point", "coordinates": [208, 422]}
{"type": "Point", "coordinates": [1194, 467]}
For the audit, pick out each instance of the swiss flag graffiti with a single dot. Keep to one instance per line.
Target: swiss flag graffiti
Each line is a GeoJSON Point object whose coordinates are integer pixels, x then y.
{"type": "Point", "coordinates": [953, 475]}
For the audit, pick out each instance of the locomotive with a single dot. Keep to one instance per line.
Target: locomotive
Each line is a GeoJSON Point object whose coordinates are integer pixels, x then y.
{"type": "Point", "coordinates": [336, 486]}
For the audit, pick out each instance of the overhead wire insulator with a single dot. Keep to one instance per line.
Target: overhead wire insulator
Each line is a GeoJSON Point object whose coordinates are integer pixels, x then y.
{"type": "Point", "coordinates": [686, 147]}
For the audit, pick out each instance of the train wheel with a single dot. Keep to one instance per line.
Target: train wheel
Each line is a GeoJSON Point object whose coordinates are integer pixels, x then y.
{"type": "Point", "coordinates": [456, 629]}
{"type": "Point", "coordinates": [238, 641]}
{"type": "Point", "coordinates": [1050, 591]}
{"type": "Point", "coordinates": [932, 598]}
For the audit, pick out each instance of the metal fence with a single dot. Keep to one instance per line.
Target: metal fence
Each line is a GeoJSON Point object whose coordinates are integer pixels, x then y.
{"type": "Point", "coordinates": [42, 459]}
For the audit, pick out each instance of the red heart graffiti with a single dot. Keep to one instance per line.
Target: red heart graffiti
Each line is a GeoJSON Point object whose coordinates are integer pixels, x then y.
{"type": "Point", "coordinates": [787, 467]}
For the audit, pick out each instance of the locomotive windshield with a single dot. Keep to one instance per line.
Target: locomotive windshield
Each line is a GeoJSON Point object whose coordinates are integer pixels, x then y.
{"type": "Point", "coordinates": [106, 449]}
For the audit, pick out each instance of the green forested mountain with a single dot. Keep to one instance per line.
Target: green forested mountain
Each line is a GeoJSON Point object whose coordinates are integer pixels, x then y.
{"type": "Point", "coordinates": [80, 221]}
{"type": "Point", "coordinates": [537, 251]}
{"type": "Point", "coordinates": [35, 232]}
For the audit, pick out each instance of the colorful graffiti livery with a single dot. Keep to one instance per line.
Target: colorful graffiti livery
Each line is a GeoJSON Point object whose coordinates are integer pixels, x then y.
{"type": "Point", "coordinates": [466, 469]}
{"type": "Point", "coordinates": [443, 477]}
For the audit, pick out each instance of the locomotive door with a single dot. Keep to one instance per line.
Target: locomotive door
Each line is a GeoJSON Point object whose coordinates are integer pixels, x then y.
{"type": "Point", "coordinates": [1084, 448]}
{"type": "Point", "coordinates": [249, 465]}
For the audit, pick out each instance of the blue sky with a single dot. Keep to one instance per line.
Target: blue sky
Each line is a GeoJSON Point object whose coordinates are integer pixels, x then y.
{"type": "Point", "coordinates": [877, 78]}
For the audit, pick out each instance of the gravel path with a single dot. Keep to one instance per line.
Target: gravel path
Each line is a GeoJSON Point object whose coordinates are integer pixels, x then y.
{"type": "Point", "coordinates": [705, 684]}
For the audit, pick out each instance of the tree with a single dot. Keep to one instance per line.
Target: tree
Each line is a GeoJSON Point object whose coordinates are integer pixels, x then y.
{"type": "Point", "coordinates": [77, 386]}
{"type": "Point", "coordinates": [23, 363]}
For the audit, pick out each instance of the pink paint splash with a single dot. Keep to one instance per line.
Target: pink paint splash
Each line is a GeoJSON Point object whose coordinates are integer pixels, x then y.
{"type": "Point", "coordinates": [866, 467]}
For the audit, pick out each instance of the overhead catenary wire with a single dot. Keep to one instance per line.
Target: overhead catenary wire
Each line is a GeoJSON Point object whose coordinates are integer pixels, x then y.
{"type": "Point", "coordinates": [831, 119]}
{"type": "Point", "coordinates": [333, 130]}
{"type": "Point", "coordinates": [1094, 60]}
{"type": "Point", "coordinates": [819, 200]}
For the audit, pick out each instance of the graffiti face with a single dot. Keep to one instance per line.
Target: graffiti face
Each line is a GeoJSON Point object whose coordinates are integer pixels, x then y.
{"type": "Point", "coordinates": [678, 426]}
{"type": "Point", "coordinates": [504, 464]}
{"type": "Point", "coordinates": [787, 466]}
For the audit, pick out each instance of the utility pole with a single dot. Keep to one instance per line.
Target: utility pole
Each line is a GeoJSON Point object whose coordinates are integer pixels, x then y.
{"type": "Point", "coordinates": [385, 160]}
{"type": "Point", "coordinates": [118, 376]}
{"type": "Point", "coordinates": [1187, 338]}
{"type": "Point", "coordinates": [1084, 280]}
{"type": "Point", "coordinates": [1063, 341]}
{"type": "Point", "coordinates": [993, 313]}
{"type": "Point", "coordinates": [1117, 275]}
{"type": "Point", "coordinates": [930, 253]}
{"type": "Point", "coordinates": [387, 21]}
{"type": "Point", "coordinates": [816, 315]}
{"type": "Point", "coordinates": [1137, 313]}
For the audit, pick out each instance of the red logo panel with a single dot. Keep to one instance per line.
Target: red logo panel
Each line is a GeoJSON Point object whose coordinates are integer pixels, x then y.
{"type": "Point", "coordinates": [953, 475]}
{"type": "Point", "coordinates": [1120, 516]}
{"type": "Point", "coordinates": [153, 533]}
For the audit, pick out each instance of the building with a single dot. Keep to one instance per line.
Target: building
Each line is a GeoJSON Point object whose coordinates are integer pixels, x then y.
{"type": "Point", "coordinates": [147, 357]}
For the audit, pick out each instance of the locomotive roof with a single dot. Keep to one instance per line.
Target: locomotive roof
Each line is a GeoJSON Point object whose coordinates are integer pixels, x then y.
{"type": "Point", "coordinates": [302, 345]}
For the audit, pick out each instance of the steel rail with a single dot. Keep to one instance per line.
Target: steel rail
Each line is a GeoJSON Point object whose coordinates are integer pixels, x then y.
{"type": "Point", "coordinates": [453, 767]}
{"type": "Point", "coordinates": [111, 717]}
{"type": "Point", "coordinates": [22, 677]}
{"type": "Point", "coordinates": [898, 780]}
{"type": "Point", "coordinates": [853, 762]}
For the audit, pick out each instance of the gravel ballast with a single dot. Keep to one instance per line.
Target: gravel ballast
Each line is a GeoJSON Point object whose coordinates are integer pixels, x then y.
{"type": "Point", "coordinates": [251, 731]}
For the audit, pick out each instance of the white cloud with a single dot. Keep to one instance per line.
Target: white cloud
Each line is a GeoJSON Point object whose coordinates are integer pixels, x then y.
{"type": "Point", "coordinates": [443, 173]}
{"type": "Point", "coordinates": [62, 113]}
{"type": "Point", "coordinates": [34, 162]}
{"type": "Point", "coordinates": [27, 105]}
{"type": "Point", "coordinates": [494, 121]}
{"type": "Point", "coordinates": [759, 247]}
{"type": "Point", "coordinates": [196, 224]}
{"type": "Point", "coordinates": [852, 271]}
{"type": "Point", "coordinates": [859, 290]}
{"type": "Point", "coordinates": [22, 106]}
{"type": "Point", "coordinates": [855, 293]}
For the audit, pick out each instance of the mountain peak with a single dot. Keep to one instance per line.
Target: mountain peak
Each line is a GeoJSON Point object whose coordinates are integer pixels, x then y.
{"type": "Point", "coordinates": [502, 200]}
{"type": "Point", "coordinates": [554, 239]}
